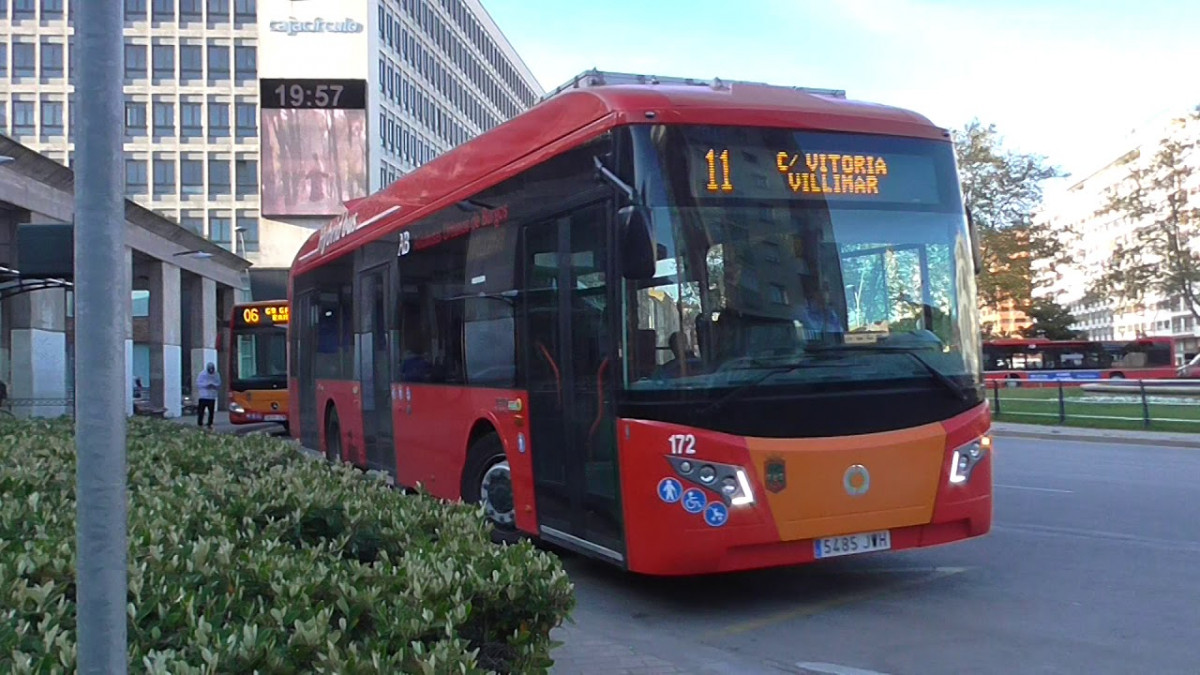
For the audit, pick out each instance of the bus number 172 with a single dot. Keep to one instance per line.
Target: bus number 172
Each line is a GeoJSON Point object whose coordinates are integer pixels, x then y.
{"type": "Point", "coordinates": [682, 444]}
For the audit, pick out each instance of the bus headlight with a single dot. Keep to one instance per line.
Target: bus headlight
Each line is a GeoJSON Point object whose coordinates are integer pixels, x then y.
{"type": "Point", "coordinates": [966, 458]}
{"type": "Point", "coordinates": [237, 409]}
{"type": "Point", "coordinates": [730, 482]}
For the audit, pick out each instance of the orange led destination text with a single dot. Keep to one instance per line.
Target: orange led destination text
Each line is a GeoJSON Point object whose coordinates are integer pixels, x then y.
{"type": "Point", "coordinates": [829, 173]}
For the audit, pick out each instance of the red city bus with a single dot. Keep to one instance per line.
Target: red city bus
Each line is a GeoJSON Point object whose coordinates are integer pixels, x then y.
{"type": "Point", "coordinates": [680, 327]}
{"type": "Point", "coordinates": [1078, 361]}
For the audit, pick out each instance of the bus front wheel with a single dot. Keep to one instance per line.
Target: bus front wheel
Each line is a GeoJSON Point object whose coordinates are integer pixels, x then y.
{"type": "Point", "coordinates": [489, 483]}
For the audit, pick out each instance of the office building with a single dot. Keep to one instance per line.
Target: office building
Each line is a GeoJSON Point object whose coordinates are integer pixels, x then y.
{"type": "Point", "coordinates": [1090, 233]}
{"type": "Point", "coordinates": [353, 93]}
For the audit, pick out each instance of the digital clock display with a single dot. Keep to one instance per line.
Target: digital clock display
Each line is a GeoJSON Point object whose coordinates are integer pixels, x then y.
{"type": "Point", "coordinates": [263, 315]}
{"type": "Point", "coordinates": [321, 94]}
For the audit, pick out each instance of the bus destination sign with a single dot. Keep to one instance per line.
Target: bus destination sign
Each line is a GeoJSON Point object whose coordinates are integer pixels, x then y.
{"type": "Point", "coordinates": [264, 315]}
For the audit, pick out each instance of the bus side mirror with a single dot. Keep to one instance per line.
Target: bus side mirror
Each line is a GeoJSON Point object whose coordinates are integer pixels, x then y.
{"type": "Point", "coordinates": [638, 252]}
{"type": "Point", "coordinates": [976, 247]}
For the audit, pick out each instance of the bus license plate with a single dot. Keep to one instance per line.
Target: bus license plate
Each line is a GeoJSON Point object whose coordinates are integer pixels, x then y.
{"type": "Point", "coordinates": [850, 544]}
{"type": "Point", "coordinates": [275, 418]}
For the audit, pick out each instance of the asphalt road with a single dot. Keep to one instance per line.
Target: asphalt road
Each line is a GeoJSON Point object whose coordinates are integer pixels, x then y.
{"type": "Point", "coordinates": [1092, 566]}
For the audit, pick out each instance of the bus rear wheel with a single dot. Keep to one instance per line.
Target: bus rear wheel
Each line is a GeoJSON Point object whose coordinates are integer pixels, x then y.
{"type": "Point", "coordinates": [489, 483]}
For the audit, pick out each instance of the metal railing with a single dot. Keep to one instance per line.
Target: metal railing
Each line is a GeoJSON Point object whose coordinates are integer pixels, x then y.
{"type": "Point", "coordinates": [1116, 403]}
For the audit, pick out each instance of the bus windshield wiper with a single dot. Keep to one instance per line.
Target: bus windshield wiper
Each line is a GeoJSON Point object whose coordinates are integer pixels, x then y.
{"type": "Point", "coordinates": [738, 391]}
{"type": "Point", "coordinates": [938, 376]}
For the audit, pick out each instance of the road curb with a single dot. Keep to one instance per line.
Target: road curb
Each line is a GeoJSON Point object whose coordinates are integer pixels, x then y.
{"type": "Point", "coordinates": [1094, 438]}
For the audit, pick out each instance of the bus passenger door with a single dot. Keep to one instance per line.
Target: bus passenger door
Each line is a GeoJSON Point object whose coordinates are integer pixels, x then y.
{"type": "Point", "coordinates": [304, 322]}
{"type": "Point", "coordinates": [567, 347]}
{"type": "Point", "coordinates": [375, 368]}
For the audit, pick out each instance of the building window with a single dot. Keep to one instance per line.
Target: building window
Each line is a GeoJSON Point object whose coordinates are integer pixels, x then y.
{"type": "Point", "coordinates": [248, 230]}
{"type": "Point", "coordinates": [24, 59]}
{"type": "Point", "coordinates": [52, 118]}
{"type": "Point", "coordinates": [218, 177]}
{"type": "Point", "coordinates": [164, 62]}
{"type": "Point", "coordinates": [218, 10]}
{"type": "Point", "coordinates": [247, 120]}
{"type": "Point", "coordinates": [246, 62]}
{"type": "Point", "coordinates": [135, 10]}
{"type": "Point", "coordinates": [135, 62]}
{"type": "Point", "coordinates": [246, 10]}
{"type": "Point", "coordinates": [164, 176]}
{"type": "Point", "coordinates": [218, 62]}
{"type": "Point", "coordinates": [24, 9]}
{"type": "Point", "coordinates": [24, 117]}
{"type": "Point", "coordinates": [135, 118]}
{"type": "Point", "coordinates": [219, 230]}
{"type": "Point", "coordinates": [52, 60]}
{"type": "Point", "coordinates": [247, 177]}
{"type": "Point", "coordinates": [191, 173]}
{"type": "Point", "coordinates": [191, 119]}
{"type": "Point", "coordinates": [218, 119]}
{"type": "Point", "coordinates": [192, 224]}
{"type": "Point", "coordinates": [191, 62]}
{"type": "Point", "coordinates": [164, 119]}
{"type": "Point", "coordinates": [52, 9]}
{"type": "Point", "coordinates": [164, 10]}
{"type": "Point", "coordinates": [135, 177]}
{"type": "Point", "coordinates": [191, 10]}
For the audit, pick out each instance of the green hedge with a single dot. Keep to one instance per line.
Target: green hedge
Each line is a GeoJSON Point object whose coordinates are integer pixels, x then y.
{"type": "Point", "coordinates": [246, 556]}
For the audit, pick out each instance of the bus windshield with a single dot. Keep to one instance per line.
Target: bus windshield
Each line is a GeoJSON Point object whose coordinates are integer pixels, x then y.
{"type": "Point", "coordinates": [792, 258]}
{"type": "Point", "coordinates": [260, 358]}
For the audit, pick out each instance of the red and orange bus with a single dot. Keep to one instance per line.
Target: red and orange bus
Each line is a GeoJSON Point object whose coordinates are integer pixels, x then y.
{"type": "Point", "coordinates": [258, 362]}
{"type": "Point", "coordinates": [1079, 361]}
{"type": "Point", "coordinates": [681, 327]}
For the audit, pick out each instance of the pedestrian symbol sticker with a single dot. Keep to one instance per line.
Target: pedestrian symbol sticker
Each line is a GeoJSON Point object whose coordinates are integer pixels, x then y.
{"type": "Point", "coordinates": [693, 500]}
{"type": "Point", "coordinates": [669, 490]}
{"type": "Point", "coordinates": [716, 514]}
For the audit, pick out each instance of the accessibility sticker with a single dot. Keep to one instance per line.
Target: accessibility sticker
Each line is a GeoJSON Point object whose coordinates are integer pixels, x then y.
{"type": "Point", "coordinates": [669, 490]}
{"type": "Point", "coordinates": [693, 500]}
{"type": "Point", "coordinates": [715, 514]}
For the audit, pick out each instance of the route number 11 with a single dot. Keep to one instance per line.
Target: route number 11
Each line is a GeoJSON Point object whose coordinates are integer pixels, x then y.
{"type": "Point", "coordinates": [713, 158]}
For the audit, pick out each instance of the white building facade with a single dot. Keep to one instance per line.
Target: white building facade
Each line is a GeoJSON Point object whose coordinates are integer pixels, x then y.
{"type": "Point", "coordinates": [213, 142]}
{"type": "Point", "coordinates": [1090, 233]}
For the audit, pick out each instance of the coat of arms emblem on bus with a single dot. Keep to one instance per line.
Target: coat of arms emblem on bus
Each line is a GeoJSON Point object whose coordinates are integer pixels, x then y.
{"type": "Point", "coordinates": [775, 475]}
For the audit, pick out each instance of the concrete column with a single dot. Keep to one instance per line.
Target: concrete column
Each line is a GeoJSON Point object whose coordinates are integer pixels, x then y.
{"type": "Point", "coordinates": [202, 328]}
{"type": "Point", "coordinates": [128, 277]}
{"type": "Point", "coordinates": [39, 354]}
{"type": "Point", "coordinates": [166, 352]}
{"type": "Point", "coordinates": [226, 299]}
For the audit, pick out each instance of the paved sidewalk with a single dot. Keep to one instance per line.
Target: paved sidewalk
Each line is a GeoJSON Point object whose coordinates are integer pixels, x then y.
{"type": "Point", "coordinates": [222, 425]}
{"type": "Point", "coordinates": [1164, 439]}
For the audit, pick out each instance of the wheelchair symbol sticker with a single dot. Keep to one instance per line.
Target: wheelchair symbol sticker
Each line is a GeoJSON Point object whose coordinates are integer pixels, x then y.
{"type": "Point", "coordinates": [669, 490]}
{"type": "Point", "coordinates": [693, 500]}
{"type": "Point", "coordinates": [716, 514]}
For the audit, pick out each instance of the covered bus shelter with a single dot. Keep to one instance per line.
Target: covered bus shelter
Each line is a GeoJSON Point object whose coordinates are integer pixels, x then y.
{"type": "Point", "coordinates": [182, 289]}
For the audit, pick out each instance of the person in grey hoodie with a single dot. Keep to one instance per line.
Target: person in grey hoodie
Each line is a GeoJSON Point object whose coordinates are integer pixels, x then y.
{"type": "Point", "coordinates": [208, 386]}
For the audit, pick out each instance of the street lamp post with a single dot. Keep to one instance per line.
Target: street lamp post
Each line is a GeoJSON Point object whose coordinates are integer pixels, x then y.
{"type": "Point", "coordinates": [102, 284]}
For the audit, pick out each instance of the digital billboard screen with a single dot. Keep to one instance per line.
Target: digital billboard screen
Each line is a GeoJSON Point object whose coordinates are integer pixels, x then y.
{"type": "Point", "coordinates": [313, 160]}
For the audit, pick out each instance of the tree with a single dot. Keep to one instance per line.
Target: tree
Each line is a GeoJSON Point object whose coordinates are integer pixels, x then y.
{"type": "Point", "coordinates": [1051, 321]}
{"type": "Point", "coordinates": [1158, 256]}
{"type": "Point", "coordinates": [1003, 189]}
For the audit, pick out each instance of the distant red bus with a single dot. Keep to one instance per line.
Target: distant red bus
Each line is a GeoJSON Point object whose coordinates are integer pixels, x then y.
{"type": "Point", "coordinates": [1078, 361]}
{"type": "Point", "coordinates": [680, 327]}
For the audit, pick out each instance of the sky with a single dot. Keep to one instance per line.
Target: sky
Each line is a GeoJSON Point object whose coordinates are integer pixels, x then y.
{"type": "Point", "coordinates": [1067, 79]}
